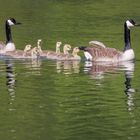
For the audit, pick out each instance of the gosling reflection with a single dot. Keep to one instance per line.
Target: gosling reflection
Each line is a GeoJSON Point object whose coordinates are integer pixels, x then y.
{"type": "Point", "coordinates": [33, 66]}
{"type": "Point", "coordinates": [10, 80]}
{"type": "Point", "coordinates": [129, 90]}
{"type": "Point", "coordinates": [68, 67]}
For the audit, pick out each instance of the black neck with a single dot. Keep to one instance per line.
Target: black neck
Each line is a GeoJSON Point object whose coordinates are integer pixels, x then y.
{"type": "Point", "coordinates": [127, 38]}
{"type": "Point", "coordinates": [8, 33]}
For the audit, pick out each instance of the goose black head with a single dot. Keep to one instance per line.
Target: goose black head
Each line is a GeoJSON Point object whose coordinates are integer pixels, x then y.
{"type": "Point", "coordinates": [131, 23]}
{"type": "Point", "coordinates": [12, 21]}
{"type": "Point", "coordinates": [82, 48]}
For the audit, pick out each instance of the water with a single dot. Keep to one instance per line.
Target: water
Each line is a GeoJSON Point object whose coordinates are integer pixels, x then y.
{"type": "Point", "coordinates": [44, 99]}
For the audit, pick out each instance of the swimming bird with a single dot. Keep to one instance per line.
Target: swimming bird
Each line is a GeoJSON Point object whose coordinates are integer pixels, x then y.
{"type": "Point", "coordinates": [49, 53]}
{"type": "Point", "coordinates": [9, 46]}
{"type": "Point", "coordinates": [38, 48]}
{"type": "Point", "coordinates": [39, 45]}
{"type": "Point", "coordinates": [20, 53]}
{"type": "Point", "coordinates": [58, 44]}
{"type": "Point", "coordinates": [26, 53]}
{"type": "Point", "coordinates": [66, 48]}
{"type": "Point", "coordinates": [73, 56]}
{"type": "Point", "coordinates": [58, 53]}
{"type": "Point", "coordinates": [100, 53]}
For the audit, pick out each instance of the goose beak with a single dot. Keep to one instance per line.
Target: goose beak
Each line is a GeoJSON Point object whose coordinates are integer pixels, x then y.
{"type": "Point", "coordinates": [82, 48]}
{"type": "Point", "coordinates": [17, 23]}
{"type": "Point", "coordinates": [137, 25]}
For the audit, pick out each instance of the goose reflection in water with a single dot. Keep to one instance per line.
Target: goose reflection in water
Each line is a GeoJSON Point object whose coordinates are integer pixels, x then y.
{"type": "Point", "coordinates": [68, 67]}
{"type": "Point", "coordinates": [10, 81]}
{"type": "Point", "coordinates": [129, 90]}
{"type": "Point", "coordinates": [33, 66]}
{"type": "Point", "coordinates": [98, 70]}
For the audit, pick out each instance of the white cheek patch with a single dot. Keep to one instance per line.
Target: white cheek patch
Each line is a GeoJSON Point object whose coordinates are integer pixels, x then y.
{"type": "Point", "coordinates": [88, 55]}
{"type": "Point", "coordinates": [10, 22]}
{"type": "Point", "coordinates": [129, 24]}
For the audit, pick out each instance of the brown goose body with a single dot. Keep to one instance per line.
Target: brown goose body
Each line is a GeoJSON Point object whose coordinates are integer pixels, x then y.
{"type": "Point", "coordinates": [100, 53]}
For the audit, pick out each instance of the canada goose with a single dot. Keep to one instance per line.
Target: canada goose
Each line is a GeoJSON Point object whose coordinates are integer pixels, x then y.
{"type": "Point", "coordinates": [75, 53]}
{"type": "Point", "coordinates": [58, 44]}
{"type": "Point", "coordinates": [111, 54]}
{"type": "Point", "coordinates": [20, 53]}
{"type": "Point", "coordinates": [73, 56]}
{"type": "Point", "coordinates": [57, 53]}
{"type": "Point", "coordinates": [9, 46]}
{"type": "Point", "coordinates": [36, 49]}
{"type": "Point", "coordinates": [66, 48]}
{"type": "Point", "coordinates": [50, 54]}
{"type": "Point", "coordinates": [39, 45]}
{"type": "Point", "coordinates": [26, 53]}
{"type": "Point", "coordinates": [27, 48]}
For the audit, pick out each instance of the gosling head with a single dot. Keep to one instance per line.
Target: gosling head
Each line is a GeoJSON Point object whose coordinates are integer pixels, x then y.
{"type": "Point", "coordinates": [131, 23]}
{"type": "Point", "coordinates": [76, 50]}
{"type": "Point", "coordinates": [12, 21]}
{"type": "Point", "coordinates": [39, 41]}
{"type": "Point", "coordinates": [27, 48]}
{"type": "Point", "coordinates": [58, 44]}
{"type": "Point", "coordinates": [67, 47]}
{"type": "Point", "coordinates": [35, 52]}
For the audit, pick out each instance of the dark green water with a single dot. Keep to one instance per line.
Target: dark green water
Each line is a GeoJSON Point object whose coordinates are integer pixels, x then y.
{"type": "Point", "coordinates": [49, 100]}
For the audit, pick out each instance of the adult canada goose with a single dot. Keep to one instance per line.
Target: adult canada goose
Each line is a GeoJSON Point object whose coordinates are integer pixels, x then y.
{"type": "Point", "coordinates": [9, 46]}
{"type": "Point", "coordinates": [100, 53]}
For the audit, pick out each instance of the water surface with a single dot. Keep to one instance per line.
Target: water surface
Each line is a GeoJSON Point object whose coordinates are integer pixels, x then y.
{"type": "Point", "coordinates": [44, 99]}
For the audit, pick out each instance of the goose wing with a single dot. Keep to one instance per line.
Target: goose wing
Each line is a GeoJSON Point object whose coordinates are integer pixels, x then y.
{"type": "Point", "coordinates": [97, 44]}
{"type": "Point", "coordinates": [98, 52]}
